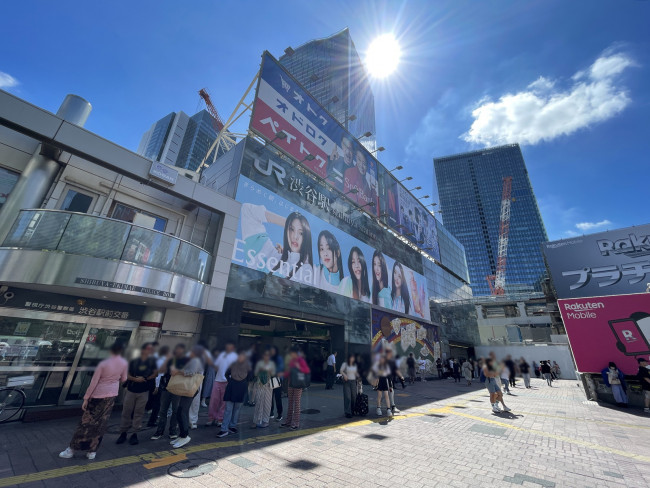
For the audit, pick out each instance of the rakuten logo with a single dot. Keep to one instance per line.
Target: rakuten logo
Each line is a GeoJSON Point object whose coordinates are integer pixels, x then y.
{"type": "Point", "coordinates": [583, 306]}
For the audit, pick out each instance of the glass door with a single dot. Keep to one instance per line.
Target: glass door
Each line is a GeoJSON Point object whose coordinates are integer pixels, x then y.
{"type": "Point", "coordinates": [98, 342]}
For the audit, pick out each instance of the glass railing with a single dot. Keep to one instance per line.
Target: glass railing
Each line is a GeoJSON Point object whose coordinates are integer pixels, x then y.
{"type": "Point", "coordinates": [89, 235]}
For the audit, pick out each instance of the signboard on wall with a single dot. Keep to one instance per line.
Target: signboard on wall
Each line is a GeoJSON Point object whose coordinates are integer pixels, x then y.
{"type": "Point", "coordinates": [612, 328]}
{"type": "Point", "coordinates": [286, 114]}
{"type": "Point", "coordinates": [607, 263]}
{"type": "Point", "coordinates": [276, 236]}
{"type": "Point", "coordinates": [406, 336]}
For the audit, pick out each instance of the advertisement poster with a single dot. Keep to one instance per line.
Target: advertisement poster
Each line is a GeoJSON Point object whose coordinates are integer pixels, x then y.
{"type": "Point", "coordinates": [607, 263]}
{"type": "Point", "coordinates": [279, 237]}
{"type": "Point", "coordinates": [417, 225]}
{"type": "Point", "coordinates": [284, 106]}
{"type": "Point", "coordinates": [406, 336]}
{"type": "Point", "coordinates": [603, 329]}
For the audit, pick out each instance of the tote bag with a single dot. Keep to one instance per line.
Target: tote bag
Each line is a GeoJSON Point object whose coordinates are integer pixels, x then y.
{"type": "Point", "coordinates": [185, 386]}
{"type": "Point", "coordinates": [299, 379]}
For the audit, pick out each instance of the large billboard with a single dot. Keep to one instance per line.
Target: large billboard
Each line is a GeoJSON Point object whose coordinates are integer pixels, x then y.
{"type": "Point", "coordinates": [286, 114]}
{"type": "Point", "coordinates": [611, 328]}
{"type": "Point", "coordinates": [607, 263]}
{"type": "Point", "coordinates": [406, 336]}
{"type": "Point", "coordinates": [277, 236]}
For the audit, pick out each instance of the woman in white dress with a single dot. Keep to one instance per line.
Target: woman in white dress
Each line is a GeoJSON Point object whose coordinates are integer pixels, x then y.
{"type": "Point", "coordinates": [400, 290]}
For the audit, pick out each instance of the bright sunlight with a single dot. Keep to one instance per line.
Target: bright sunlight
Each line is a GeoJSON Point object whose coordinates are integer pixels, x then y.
{"type": "Point", "coordinates": [383, 56]}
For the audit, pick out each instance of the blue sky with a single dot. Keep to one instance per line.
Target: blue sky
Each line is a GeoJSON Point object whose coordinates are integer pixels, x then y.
{"type": "Point", "coordinates": [568, 80]}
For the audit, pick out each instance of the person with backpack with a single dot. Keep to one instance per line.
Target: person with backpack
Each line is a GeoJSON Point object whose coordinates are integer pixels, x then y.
{"type": "Point", "coordinates": [615, 379]}
{"type": "Point", "coordinates": [178, 360]}
{"type": "Point", "coordinates": [349, 374]}
{"type": "Point", "coordinates": [410, 364]}
{"type": "Point", "coordinates": [140, 377]}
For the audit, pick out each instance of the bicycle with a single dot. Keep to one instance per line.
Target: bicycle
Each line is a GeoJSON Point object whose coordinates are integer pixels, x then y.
{"type": "Point", "coordinates": [12, 400]}
{"type": "Point", "coordinates": [12, 397]}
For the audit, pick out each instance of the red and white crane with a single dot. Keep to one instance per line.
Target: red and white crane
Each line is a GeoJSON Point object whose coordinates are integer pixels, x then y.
{"type": "Point", "coordinates": [498, 282]}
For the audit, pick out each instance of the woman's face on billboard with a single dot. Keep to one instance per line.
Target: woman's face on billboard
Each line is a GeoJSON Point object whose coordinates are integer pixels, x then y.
{"type": "Point", "coordinates": [356, 265]}
{"type": "Point", "coordinates": [397, 275]}
{"type": "Point", "coordinates": [295, 232]}
{"type": "Point", "coordinates": [326, 254]}
{"type": "Point", "coordinates": [376, 268]}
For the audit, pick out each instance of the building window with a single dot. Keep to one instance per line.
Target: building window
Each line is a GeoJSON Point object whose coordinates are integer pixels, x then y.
{"type": "Point", "coordinates": [8, 180]}
{"type": "Point", "coordinates": [75, 201]}
{"type": "Point", "coordinates": [136, 216]}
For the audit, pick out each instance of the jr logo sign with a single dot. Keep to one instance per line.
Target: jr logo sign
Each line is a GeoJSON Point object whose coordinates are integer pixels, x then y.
{"type": "Point", "coordinates": [269, 168]}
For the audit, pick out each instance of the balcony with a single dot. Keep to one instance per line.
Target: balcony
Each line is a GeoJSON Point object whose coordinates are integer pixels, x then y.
{"type": "Point", "coordinates": [99, 237]}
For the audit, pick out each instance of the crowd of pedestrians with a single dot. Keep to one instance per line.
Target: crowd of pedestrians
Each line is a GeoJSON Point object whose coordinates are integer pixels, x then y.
{"type": "Point", "coordinates": [172, 383]}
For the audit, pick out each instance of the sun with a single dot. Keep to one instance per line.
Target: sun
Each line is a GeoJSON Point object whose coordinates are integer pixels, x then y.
{"type": "Point", "coordinates": [383, 56]}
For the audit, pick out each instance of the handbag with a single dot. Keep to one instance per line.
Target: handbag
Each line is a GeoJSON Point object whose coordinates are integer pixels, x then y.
{"type": "Point", "coordinates": [276, 382]}
{"type": "Point", "coordinates": [185, 386]}
{"type": "Point", "coordinates": [299, 379]}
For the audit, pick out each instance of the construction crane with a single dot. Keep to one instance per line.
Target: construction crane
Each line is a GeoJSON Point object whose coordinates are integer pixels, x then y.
{"type": "Point", "coordinates": [225, 139]}
{"type": "Point", "coordinates": [498, 282]}
{"type": "Point", "coordinates": [212, 110]}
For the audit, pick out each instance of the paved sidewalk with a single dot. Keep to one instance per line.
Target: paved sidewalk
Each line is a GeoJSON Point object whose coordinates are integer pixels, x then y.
{"type": "Point", "coordinates": [446, 436]}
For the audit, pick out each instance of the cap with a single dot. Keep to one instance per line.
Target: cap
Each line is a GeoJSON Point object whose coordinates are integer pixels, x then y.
{"type": "Point", "coordinates": [642, 360]}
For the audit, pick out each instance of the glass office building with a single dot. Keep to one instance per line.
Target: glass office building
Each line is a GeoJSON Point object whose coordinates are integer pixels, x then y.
{"type": "Point", "coordinates": [179, 140]}
{"type": "Point", "coordinates": [470, 186]}
{"type": "Point", "coordinates": [332, 71]}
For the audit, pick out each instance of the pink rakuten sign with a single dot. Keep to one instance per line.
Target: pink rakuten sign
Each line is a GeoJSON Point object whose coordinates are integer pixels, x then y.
{"type": "Point", "coordinates": [602, 329]}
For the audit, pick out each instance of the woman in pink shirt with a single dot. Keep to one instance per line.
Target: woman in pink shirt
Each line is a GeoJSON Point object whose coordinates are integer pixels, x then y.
{"type": "Point", "coordinates": [295, 393]}
{"type": "Point", "coordinates": [98, 404]}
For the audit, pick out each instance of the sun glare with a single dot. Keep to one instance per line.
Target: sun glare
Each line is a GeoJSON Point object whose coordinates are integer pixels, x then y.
{"type": "Point", "coordinates": [383, 56]}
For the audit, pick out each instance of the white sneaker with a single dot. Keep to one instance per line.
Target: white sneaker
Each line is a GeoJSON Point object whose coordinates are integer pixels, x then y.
{"type": "Point", "coordinates": [181, 442]}
{"type": "Point", "coordinates": [194, 426]}
{"type": "Point", "coordinates": [495, 408]}
{"type": "Point", "coordinates": [67, 454]}
{"type": "Point", "coordinates": [390, 412]}
{"type": "Point", "coordinates": [203, 404]}
{"type": "Point", "coordinates": [91, 455]}
{"type": "Point", "coordinates": [379, 411]}
{"type": "Point", "coordinates": [507, 409]}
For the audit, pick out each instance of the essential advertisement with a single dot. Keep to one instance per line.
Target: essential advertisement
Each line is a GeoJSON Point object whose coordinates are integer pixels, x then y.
{"type": "Point", "coordinates": [607, 263]}
{"type": "Point", "coordinates": [611, 328]}
{"type": "Point", "coordinates": [279, 237]}
{"type": "Point", "coordinates": [406, 336]}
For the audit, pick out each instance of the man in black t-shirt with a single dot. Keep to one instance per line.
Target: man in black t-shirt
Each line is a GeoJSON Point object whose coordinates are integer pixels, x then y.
{"type": "Point", "coordinates": [524, 367]}
{"type": "Point", "coordinates": [510, 364]}
{"type": "Point", "coordinates": [142, 371]}
{"type": "Point", "coordinates": [644, 378]}
{"type": "Point", "coordinates": [410, 364]}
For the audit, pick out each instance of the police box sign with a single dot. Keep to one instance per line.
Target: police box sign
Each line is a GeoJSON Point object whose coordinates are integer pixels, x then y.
{"type": "Point", "coordinates": [124, 286]}
{"type": "Point", "coordinates": [163, 172]}
{"type": "Point", "coordinates": [607, 263]}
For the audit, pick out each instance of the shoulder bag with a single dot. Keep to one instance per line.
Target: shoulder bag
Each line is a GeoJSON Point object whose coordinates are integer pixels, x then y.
{"type": "Point", "coordinates": [185, 386]}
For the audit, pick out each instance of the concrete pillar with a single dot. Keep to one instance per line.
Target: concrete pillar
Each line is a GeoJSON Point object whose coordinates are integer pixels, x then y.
{"type": "Point", "coordinates": [41, 170]}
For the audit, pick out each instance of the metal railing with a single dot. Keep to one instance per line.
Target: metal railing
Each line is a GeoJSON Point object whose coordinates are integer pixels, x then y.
{"type": "Point", "coordinates": [90, 235]}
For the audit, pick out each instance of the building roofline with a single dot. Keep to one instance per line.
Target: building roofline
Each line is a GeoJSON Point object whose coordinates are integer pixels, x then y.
{"type": "Point", "coordinates": [320, 39]}
{"type": "Point", "coordinates": [478, 151]}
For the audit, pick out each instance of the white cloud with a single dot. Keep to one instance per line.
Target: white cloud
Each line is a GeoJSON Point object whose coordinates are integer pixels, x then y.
{"type": "Point", "coordinates": [587, 226]}
{"type": "Point", "coordinates": [543, 111]}
{"type": "Point", "coordinates": [7, 81]}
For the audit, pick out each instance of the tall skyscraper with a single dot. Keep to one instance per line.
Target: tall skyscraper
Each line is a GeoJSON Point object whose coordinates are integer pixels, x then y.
{"type": "Point", "coordinates": [180, 140]}
{"type": "Point", "coordinates": [332, 71]}
{"type": "Point", "coordinates": [470, 187]}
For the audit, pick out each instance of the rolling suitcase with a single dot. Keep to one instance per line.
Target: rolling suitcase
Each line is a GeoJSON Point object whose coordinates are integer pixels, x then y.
{"type": "Point", "coordinates": [361, 405]}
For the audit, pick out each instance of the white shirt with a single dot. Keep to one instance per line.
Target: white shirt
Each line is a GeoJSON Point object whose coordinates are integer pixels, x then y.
{"type": "Point", "coordinates": [331, 360]}
{"type": "Point", "coordinates": [349, 371]}
{"type": "Point", "coordinates": [159, 364]}
{"type": "Point", "coordinates": [221, 365]}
